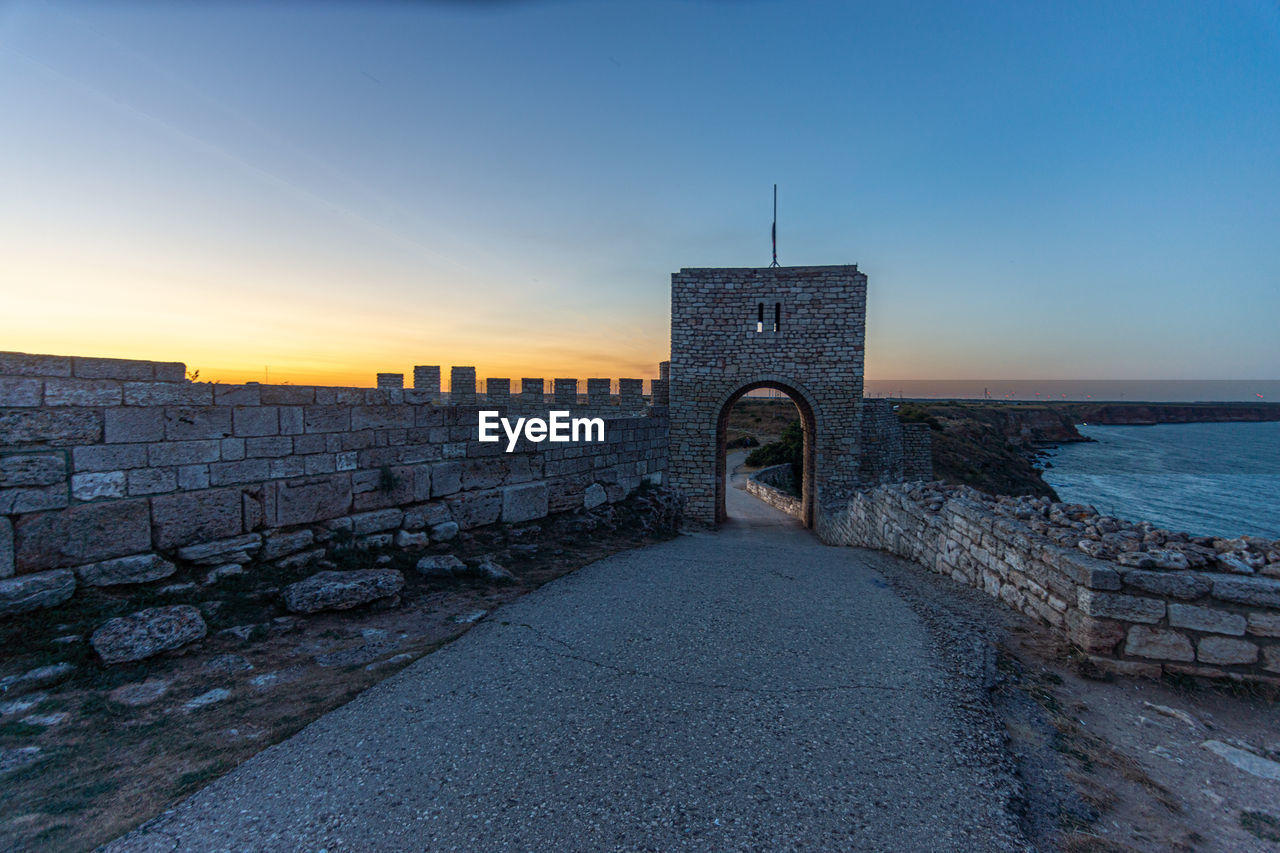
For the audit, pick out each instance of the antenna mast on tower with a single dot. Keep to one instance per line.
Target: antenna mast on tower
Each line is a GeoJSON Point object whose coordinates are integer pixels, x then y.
{"type": "Point", "coordinates": [775, 226]}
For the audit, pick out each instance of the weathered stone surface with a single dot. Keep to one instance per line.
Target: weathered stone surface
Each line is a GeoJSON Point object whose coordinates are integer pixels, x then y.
{"type": "Point", "coordinates": [140, 693]}
{"type": "Point", "coordinates": [33, 679]}
{"type": "Point", "coordinates": [209, 697]}
{"type": "Point", "coordinates": [99, 485]}
{"type": "Point", "coordinates": [491, 569]}
{"type": "Point", "coordinates": [6, 548]}
{"type": "Point", "coordinates": [473, 509]}
{"type": "Point", "coordinates": [283, 544]}
{"type": "Point", "coordinates": [1128, 608]}
{"type": "Point", "coordinates": [82, 534]}
{"type": "Point", "coordinates": [1264, 624]}
{"type": "Point", "coordinates": [376, 521]}
{"type": "Point", "coordinates": [1158, 644]}
{"type": "Point", "coordinates": [1259, 592]}
{"type": "Point", "coordinates": [226, 570]}
{"type": "Point", "coordinates": [444, 531]}
{"type": "Point", "coordinates": [338, 590]}
{"type": "Point", "coordinates": [82, 392]}
{"type": "Point", "coordinates": [446, 478]}
{"type": "Point", "coordinates": [54, 427]}
{"type": "Point", "coordinates": [140, 568]}
{"type": "Point", "coordinates": [19, 391]}
{"type": "Point", "coordinates": [411, 539]}
{"type": "Point", "coordinates": [1225, 650]}
{"type": "Point", "coordinates": [594, 496]}
{"type": "Point", "coordinates": [1185, 585]}
{"type": "Point", "coordinates": [237, 549]}
{"type": "Point", "coordinates": [1206, 619]}
{"type": "Point", "coordinates": [312, 499]}
{"type": "Point", "coordinates": [441, 565]}
{"type": "Point", "coordinates": [524, 502]}
{"type": "Point", "coordinates": [1097, 636]}
{"type": "Point", "coordinates": [186, 518]}
{"type": "Point", "coordinates": [32, 469]}
{"type": "Point", "coordinates": [1271, 658]}
{"type": "Point", "coordinates": [428, 515]}
{"type": "Point", "coordinates": [147, 633]}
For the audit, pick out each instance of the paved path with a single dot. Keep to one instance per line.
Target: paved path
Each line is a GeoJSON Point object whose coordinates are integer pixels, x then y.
{"type": "Point", "coordinates": [744, 689]}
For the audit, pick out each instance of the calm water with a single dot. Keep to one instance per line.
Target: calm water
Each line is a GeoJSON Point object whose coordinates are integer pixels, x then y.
{"type": "Point", "coordinates": [1220, 479]}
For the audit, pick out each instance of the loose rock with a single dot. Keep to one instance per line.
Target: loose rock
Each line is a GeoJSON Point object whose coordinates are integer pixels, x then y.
{"type": "Point", "coordinates": [148, 632]}
{"type": "Point", "coordinates": [342, 590]}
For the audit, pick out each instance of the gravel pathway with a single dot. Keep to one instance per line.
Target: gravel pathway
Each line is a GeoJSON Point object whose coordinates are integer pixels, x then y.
{"type": "Point", "coordinates": [748, 689]}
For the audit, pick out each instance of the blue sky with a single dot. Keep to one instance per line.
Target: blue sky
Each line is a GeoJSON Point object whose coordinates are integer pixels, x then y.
{"type": "Point", "coordinates": [1084, 190]}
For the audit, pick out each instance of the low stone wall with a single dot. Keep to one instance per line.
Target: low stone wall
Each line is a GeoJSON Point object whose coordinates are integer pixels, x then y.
{"type": "Point", "coordinates": [775, 486]}
{"type": "Point", "coordinates": [111, 470]}
{"type": "Point", "coordinates": [1133, 598]}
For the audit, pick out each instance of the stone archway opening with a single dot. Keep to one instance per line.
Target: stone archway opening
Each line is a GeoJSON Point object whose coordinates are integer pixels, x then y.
{"type": "Point", "coordinates": [808, 427]}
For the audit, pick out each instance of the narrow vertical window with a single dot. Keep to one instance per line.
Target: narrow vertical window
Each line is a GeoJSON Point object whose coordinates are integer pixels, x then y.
{"type": "Point", "coordinates": [777, 316]}
{"type": "Point", "coordinates": [760, 317]}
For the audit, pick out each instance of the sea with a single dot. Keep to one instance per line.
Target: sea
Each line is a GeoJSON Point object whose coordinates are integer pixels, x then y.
{"type": "Point", "coordinates": [1220, 479]}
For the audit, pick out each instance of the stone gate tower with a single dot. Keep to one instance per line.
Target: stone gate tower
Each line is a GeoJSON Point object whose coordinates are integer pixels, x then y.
{"type": "Point", "coordinates": [800, 330]}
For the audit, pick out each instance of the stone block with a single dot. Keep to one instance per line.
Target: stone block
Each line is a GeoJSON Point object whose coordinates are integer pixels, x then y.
{"type": "Point", "coordinates": [193, 477]}
{"type": "Point", "coordinates": [151, 481]}
{"type": "Point", "coordinates": [446, 478]}
{"type": "Point", "coordinates": [444, 531]}
{"type": "Point", "coordinates": [32, 469]}
{"type": "Point", "coordinates": [288, 395]}
{"type": "Point", "coordinates": [236, 549]}
{"type": "Point", "coordinates": [82, 392]}
{"type": "Point", "coordinates": [113, 368]}
{"type": "Point", "coordinates": [594, 496]}
{"type": "Point", "coordinates": [1093, 635]}
{"type": "Point", "coordinates": [255, 421]}
{"type": "Point", "coordinates": [421, 482]}
{"type": "Point", "coordinates": [320, 419]}
{"type": "Point", "coordinates": [1206, 619]}
{"type": "Point", "coordinates": [140, 568]}
{"type": "Point", "coordinates": [99, 485]}
{"type": "Point", "coordinates": [130, 425]}
{"type": "Point", "coordinates": [411, 539]}
{"type": "Point", "coordinates": [1271, 658]}
{"type": "Point", "coordinates": [1158, 644]}
{"type": "Point", "coordinates": [428, 515]}
{"type": "Point", "coordinates": [291, 420]}
{"type": "Point", "coordinates": [268, 446]}
{"type": "Point", "coordinates": [474, 509]}
{"type": "Point", "coordinates": [258, 506]}
{"type": "Point", "coordinates": [53, 427]}
{"type": "Point", "coordinates": [82, 534]}
{"type": "Point", "coordinates": [1184, 585]}
{"type": "Point", "coordinates": [1257, 592]}
{"type": "Point", "coordinates": [26, 364]}
{"type": "Point", "coordinates": [524, 502]}
{"type": "Point", "coordinates": [189, 517]}
{"type": "Point", "coordinates": [190, 424]}
{"type": "Point", "coordinates": [376, 522]}
{"type": "Point", "coordinates": [168, 394]}
{"type": "Point", "coordinates": [147, 633]}
{"type": "Point", "coordinates": [484, 473]}
{"type": "Point", "coordinates": [283, 544]}
{"type": "Point", "coordinates": [1084, 570]}
{"type": "Point", "coordinates": [342, 590]}
{"type": "Point", "coordinates": [20, 391]}
{"type": "Point", "coordinates": [1226, 650]}
{"type": "Point", "coordinates": [237, 395]}
{"type": "Point", "coordinates": [170, 371]}
{"type": "Point", "coordinates": [312, 499]}
{"type": "Point", "coordinates": [244, 471]}
{"type": "Point", "coordinates": [385, 487]}
{"type": "Point", "coordinates": [108, 457]}
{"type": "Point", "coordinates": [183, 453]}
{"type": "Point", "coordinates": [1127, 608]}
{"type": "Point", "coordinates": [1259, 624]}
{"type": "Point", "coordinates": [26, 593]}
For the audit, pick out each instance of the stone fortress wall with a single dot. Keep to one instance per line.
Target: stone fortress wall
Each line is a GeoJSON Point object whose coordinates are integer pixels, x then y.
{"type": "Point", "coordinates": [775, 486]}
{"type": "Point", "coordinates": [1131, 598]}
{"type": "Point", "coordinates": [112, 469]}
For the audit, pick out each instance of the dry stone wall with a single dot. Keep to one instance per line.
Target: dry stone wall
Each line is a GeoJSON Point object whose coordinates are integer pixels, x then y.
{"type": "Point", "coordinates": [1132, 598]}
{"type": "Point", "coordinates": [775, 486]}
{"type": "Point", "coordinates": [112, 469]}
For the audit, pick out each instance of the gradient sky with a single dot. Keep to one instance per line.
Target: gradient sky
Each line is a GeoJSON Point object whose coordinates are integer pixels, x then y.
{"type": "Point", "coordinates": [1035, 190]}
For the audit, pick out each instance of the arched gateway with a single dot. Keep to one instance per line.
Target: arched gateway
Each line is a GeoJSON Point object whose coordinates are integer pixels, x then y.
{"type": "Point", "coordinates": [800, 330]}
